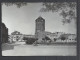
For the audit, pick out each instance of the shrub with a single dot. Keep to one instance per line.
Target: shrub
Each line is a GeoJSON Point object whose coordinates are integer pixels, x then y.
{"type": "Point", "coordinates": [25, 38]}
{"type": "Point", "coordinates": [55, 39]}
{"type": "Point", "coordinates": [47, 38]}
{"type": "Point", "coordinates": [30, 40]}
{"type": "Point", "coordinates": [63, 38]}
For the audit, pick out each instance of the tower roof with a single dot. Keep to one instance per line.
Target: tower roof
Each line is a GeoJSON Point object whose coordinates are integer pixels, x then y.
{"type": "Point", "coordinates": [40, 18]}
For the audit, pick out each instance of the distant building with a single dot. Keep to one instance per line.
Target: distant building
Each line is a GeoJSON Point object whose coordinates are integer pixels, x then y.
{"type": "Point", "coordinates": [72, 38]}
{"type": "Point", "coordinates": [29, 36]}
{"type": "Point", "coordinates": [17, 36]}
{"type": "Point", "coordinates": [4, 33]}
{"type": "Point", "coordinates": [51, 35]}
{"type": "Point", "coordinates": [59, 35]}
{"type": "Point", "coordinates": [40, 29]}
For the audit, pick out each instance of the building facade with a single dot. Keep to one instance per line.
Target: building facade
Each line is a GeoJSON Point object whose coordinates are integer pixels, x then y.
{"type": "Point", "coordinates": [4, 33]}
{"type": "Point", "coordinates": [58, 36]}
{"type": "Point", "coordinates": [17, 36]}
{"type": "Point", "coordinates": [40, 29]}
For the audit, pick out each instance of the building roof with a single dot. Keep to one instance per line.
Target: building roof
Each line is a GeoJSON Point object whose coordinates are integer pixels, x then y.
{"type": "Point", "coordinates": [2, 24]}
{"type": "Point", "coordinates": [16, 33]}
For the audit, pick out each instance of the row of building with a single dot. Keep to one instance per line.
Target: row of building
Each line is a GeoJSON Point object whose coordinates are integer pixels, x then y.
{"type": "Point", "coordinates": [17, 36]}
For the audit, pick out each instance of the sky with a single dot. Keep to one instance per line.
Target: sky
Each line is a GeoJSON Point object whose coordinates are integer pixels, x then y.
{"type": "Point", "coordinates": [23, 19]}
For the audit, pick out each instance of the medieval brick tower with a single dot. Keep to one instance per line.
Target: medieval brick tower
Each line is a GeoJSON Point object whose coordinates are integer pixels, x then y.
{"type": "Point", "coordinates": [40, 29]}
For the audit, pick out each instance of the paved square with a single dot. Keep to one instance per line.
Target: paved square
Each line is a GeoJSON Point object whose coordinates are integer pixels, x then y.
{"type": "Point", "coordinates": [21, 49]}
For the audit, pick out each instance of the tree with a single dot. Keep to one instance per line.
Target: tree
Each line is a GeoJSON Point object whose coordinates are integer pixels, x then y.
{"type": "Point", "coordinates": [63, 38]}
{"type": "Point", "coordinates": [67, 10]}
{"type": "Point", "coordinates": [55, 39]}
{"type": "Point", "coordinates": [31, 40]}
{"type": "Point", "coordinates": [47, 38]}
{"type": "Point", "coordinates": [18, 4]}
{"type": "Point", "coordinates": [25, 38]}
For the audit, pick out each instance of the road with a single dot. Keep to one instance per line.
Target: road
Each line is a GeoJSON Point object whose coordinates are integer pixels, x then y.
{"type": "Point", "coordinates": [22, 49]}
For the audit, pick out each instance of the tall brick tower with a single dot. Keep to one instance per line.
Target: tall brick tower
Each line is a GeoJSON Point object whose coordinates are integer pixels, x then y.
{"type": "Point", "coordinates": [40, 29]}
